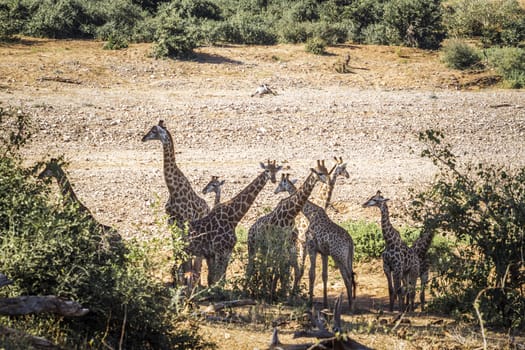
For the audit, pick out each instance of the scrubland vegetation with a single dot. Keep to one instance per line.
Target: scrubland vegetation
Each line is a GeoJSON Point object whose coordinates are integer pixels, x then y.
{"type": "Point", "coordinates": [491, 30]}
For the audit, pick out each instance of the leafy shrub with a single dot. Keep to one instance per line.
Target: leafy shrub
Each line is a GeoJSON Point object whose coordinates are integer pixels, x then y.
{"type": "Point", "coordinates": [316, 46]}
{"type": "Point", "coordinates": [11, 19]}
{"type": "Point", "coordinates": [304, 10]}
{"type": "Point", "coordinates": [510, 63]}
{"type": "Point", "coordinates": [376, 33]}
{"type": "Point", "coordinates": [483, 205]}
{"type": "Point", "coordinates": [363, 13]}
{"type": "Point", "coordinates": [55, 249]}
{"type": "Point", "coordinates": [495, 22]}
{"type": "Point", "coordinates": [334, 33]}
{"type": "Point", "coordinates": [459, 55]}
{"type": "Point", "coordinates": [269, 277]}
{"type": "Point", "coordinates": [294, 33]}
{"type": "Point", "coordinates": [414, 22]}
{"type": "Point", "coordinates": [368, 239]}
{"type": "Point", "coordinates": [56, 19]}
{"type": "Point", "coordinates": [120, 21]}
{"type": "Point", "coordinates": [251, 30]}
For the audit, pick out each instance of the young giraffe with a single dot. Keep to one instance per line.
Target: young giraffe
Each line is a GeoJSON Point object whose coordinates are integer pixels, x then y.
{"type": "Point", "coordinates": [322, 198]}
{"type": "Point", "coordinates": [283, 216]}
{"type": "Point", "coordinates": [400, 263]}
{"type": "Point", "coordinates": [54, 169]}
{"type": "Point", "coordinates": [214, 186]}
{"type": "Point", "coordinates": [183, 205]}
{"type": "Point", "coordinates": [328, 239]}
{"type": "Point", "coordinates": [421, 246]}
{"type": "Point", "coordinates": [213, 236]}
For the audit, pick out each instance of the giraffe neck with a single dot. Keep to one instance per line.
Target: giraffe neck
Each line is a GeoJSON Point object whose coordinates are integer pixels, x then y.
{"type": "Point", "coordinates": [310, 210]}
{"type": "Point", "coordinates": [217, 197]}
{"type": "Point", "coordinates": [324, 194]}
{"type": "Point", "coordinates": [170, 166]}
{"type": "Point", "coordinates": [239, 205]}
{"type": "Point", "coordinates": [292, 205]}
{"type": "Point", "coordinates": [422, 244]}
{"type": "Point", "coordinates": [390, 234]}
{"type": "Point", "coordinates": [67, 190]}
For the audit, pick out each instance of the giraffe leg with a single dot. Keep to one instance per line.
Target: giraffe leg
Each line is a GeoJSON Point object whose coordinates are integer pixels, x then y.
{"type": "Point", "coordinates": [311, 275]}
{"type": "Point", "coordinates": [398, 289]}
{"type": "Point", "coordinates": [391, 293]}
{"type": "Point", "coordinates": [348, 280]}
{"type": "Point", "coordinates": [324, 259]}
{"type": "Point", "coordinates": [424, 281]}
{"type": "Point", "coordinates": [295, 265]}
{"type": "Point", "coordinates": [212, 268]}
{"type": "Point", "coordinates": [196, 270]}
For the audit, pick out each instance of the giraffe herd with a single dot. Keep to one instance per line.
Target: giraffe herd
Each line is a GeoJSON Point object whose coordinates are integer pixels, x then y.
{"type": "Point", "coordinates": [210, 232]}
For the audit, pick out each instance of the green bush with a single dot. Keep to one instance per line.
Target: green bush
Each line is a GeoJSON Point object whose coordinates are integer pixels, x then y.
{"type": "Point", "coordinates": [510, 63]}
{"type": "Point", "coordinates": [270, 275]}
{"type": "Point", "coordinates": [376, 33]}
{"type": "Point", "coordinates": [120, 21]}
{"type": "Point", "coordinates": [495, 22]}
{"type": "Point", "coordinates": [251, 30]}
{"type": "Point", "coordinates": [56, 19]}
{"type": "Point", "coordinates": [294, 33]}
{"type": "Point", "coordinates": [316, 46]}
{"type": "Point", "coordinates": [414, 22]}
{"type": "Point", "coordinates": [364, 14]}
{"type": "Point", "coordinates": [459, 55]}
{"type": "Point", "coordinates": [368, 239]}
{"type": "Point", "coordinates": [482, 205]}
{"type": "Point", "coordinates": [50, 249]}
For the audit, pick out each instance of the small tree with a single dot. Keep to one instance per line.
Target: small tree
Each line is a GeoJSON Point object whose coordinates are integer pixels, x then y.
{"type": "Point", "coordinates": [484, 207]}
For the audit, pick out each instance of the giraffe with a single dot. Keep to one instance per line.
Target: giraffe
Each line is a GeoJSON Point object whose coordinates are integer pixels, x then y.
{"type": "Point", "coordinates": [111, 238]}
{"type": "Point", "coordinates": [328, 239]}
{"type": "Point", "coordinates": [321, 198]}
{"type": "Point", "coordinates": [183, 205]}
{"type": "Point", "coordinates": [214, 186]}
{"type": "Point", "coordinates": [213, 236]}
{"type": "Point", "coordinates": [421, 246]}
{"type": "Point", "coordinates": [400, 263]}
{"type": "Point", "coordinates": [283, 217]}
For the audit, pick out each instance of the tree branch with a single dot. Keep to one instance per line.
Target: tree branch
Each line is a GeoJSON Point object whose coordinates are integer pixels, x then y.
{"type": "Point", "coordinates": [24, 305]}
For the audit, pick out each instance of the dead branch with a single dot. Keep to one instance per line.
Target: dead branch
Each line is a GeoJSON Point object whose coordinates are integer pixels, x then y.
{"type": "Point", "coordinates": [24, 305]}
{"type": "Point", "coordinates": [232, 303]}
{"type": "Point", "coordinates": [37, 342]}
{"type": "Point", "coordinates": [60, 80]}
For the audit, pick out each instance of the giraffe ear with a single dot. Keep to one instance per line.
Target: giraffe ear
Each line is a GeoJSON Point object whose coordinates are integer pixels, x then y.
{"type": "Point", "coordinates": [278, 167]}
{"type": "Point", "coordinates": [294, 181]}
{"type": "Point", "coordinates": [222, 182]}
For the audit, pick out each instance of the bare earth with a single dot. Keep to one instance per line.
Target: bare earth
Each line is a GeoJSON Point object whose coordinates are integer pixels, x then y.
{"type": "Point", "coordinates": [97, 115]}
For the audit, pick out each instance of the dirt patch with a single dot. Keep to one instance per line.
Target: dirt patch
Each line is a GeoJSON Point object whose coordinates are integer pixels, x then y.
{"type": "Point", "coordinates": [94, 106]}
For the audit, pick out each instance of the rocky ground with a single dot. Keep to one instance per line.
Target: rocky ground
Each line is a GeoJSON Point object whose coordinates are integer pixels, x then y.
{"type": "Point", "coordinates": [94, 106]}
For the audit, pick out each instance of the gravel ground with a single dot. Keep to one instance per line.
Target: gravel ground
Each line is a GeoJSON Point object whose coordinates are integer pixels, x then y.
{"type": "Point", "coordinates": [370, 117]}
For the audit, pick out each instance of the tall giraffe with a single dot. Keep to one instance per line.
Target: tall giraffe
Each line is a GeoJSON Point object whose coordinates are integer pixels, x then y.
{"type": "Point", "coordinates": [328, 239]}
{"type": "Point", "coordinates": [214, 186]}
{"type": "Point", "coordinates": [400, 263]}
{"type": "Point", "coordinates": [213, 236]}
{"type": "Point", "coordinates": [421, 247]}
{"type": "Point", "coordinates": [111, 238]}
{"type": "Point", "coordinates": [183, 204]}
{"type": "Point", "coordinates": [283, 217]}
{"type": "Point", "coordinates": [322, 197]}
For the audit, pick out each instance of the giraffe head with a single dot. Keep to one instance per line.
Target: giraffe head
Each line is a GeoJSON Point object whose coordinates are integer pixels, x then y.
{"type": "Point", "coordinates": [271, 168]}
{"type": "Point", "coordinates": [285, 185]}
{"type": "Point", "coordinates": [53, 169]}
{"type": "Point", "coordinates": [339, 169]}
{"type": "Point", "coordinates": [322, 173]}
{"type": "Point", "coordinates": [213, 186]}
{"type": "Point", "coordinates": [376, 200]}
{"type": "Point", "coordinates": [157, 132]}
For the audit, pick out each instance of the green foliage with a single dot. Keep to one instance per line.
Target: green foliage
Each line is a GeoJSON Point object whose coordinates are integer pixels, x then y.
{"type": "Point", "coordinates": [49, 249]}
{"type": "Point", "coordinates": [12, 14]}
{"type": "Point", "coordinates": [175, 36]}
{"type": "Point", "coordinates": [316, 46]}
{"type": "Point", "coordinates": [459, 55]}
{"type": "Point", "coordinates": [495, 22]}
{"type": "Point", "coordinates": [414, 23]}
{"type": "Point", "coordinates": [56, 19]}
{"type": "Point", "coordinates": [271, 276]}
{"type": "Point", "coordinates": [368, 239]}
{"type": "Point", "coordinates": [484, 206]}
{"type": "Point", "coordinates": [510, 63]}
{"type": "Point", "coordinates": [120, 22]}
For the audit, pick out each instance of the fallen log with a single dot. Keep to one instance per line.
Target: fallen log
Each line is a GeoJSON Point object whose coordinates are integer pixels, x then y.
{"type": "Point", "coordinates": [60, 80]}
{"type": "Point", "coordinates": [24, 305]}
{"type": "Point", "coordinates": [37, 342]}
{"type": "Point", "coordinates": [232, 303]}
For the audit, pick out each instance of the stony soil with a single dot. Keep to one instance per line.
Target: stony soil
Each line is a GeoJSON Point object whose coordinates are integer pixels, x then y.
{"type": "Point", "coordinates": [370, 116]}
